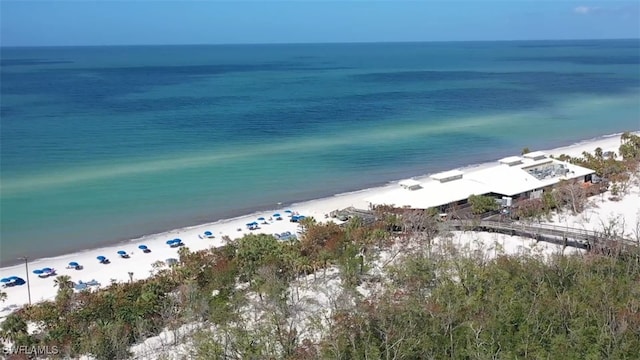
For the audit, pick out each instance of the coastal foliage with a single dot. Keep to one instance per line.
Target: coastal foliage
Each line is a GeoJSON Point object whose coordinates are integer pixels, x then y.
{"type": "Point", "coordinates": [481, 204]}
{"type": "Point", "coordinates": [616, 168]}
{"type": "Point", "coordinates": [433, 304]}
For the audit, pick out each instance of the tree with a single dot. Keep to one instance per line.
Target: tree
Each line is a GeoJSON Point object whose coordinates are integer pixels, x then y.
{"type": "Point", "coordinates": [14, 329]}
{"type": "Point", "coordinates": [3, 296]}
{"type": "Point", "coordinates": [254, 251]}
{"type": "Point", "coordinates": [525, 150]}
{"type": "Point", "coordinates": [63, 282]}
{"type": "Point", "coordinates": [570, 193]}
{"type": "Point", "coordinates": [65, 290]}
{"type": "Point", "coordinates": [481, 204]}
{"type": "Point", "coordinates": [630, 147]}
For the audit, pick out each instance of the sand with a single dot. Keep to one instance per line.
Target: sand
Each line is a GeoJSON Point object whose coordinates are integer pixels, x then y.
{"type": "Point", "coordinates": [139, 263]}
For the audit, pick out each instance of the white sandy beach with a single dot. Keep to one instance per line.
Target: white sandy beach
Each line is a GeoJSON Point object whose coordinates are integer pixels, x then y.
{"type": "Point", "coordinates": [140, 263]}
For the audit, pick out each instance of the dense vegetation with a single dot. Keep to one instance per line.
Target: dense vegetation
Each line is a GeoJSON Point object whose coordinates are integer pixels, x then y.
{"type": "Point", "coordinates": [430, 301]}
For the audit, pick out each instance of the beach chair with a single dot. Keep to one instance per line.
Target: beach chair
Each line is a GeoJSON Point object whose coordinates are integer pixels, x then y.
{"type": "Point", "coordinates": [80, 286]}
{"type": "Point", "coordinates": [93, 282]}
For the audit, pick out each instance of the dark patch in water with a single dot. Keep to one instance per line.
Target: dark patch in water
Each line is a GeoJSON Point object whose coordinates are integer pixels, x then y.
{"type": "Point", "coordinates": [170, 103]}
{"type": "Point", "coordinates": [7, 111]}
{"type": "Point", "coordinates": [584, 60]}
{"type": "Point", "coordinates": [421, 76]}
{"type": "Point", "coordinates": [545, 82]}
{"type": "Point", "coordinates": [100, 83]}
{"type": "Point", "coordinates": [605, 44]}
{"type": "Point", "coordinates": [32, 62]}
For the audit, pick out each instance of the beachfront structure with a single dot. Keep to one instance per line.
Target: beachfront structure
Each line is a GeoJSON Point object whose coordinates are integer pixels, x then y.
{"type": "Point", "coordinates": [410, 184]}
{"type": "Point", "coordinates": [512, 178]}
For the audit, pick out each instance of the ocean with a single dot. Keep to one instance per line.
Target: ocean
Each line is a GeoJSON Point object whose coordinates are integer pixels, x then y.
{"type": "Point", "coordinates": [103, 144]}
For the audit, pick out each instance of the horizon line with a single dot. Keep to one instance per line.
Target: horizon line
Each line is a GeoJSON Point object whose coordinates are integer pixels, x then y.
{"type": "Point", "coordinates": [320, 43]}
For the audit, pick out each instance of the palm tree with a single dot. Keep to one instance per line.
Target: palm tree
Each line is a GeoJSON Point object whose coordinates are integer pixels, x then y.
{"type": "Point", "coordinates": [63, 282]}
{"type": "Point", "coordinates": [3, 296]}
{"type": "Point", "coordinates": [13, 329]}
{"type": "Point", "coordinates": [65, 290]}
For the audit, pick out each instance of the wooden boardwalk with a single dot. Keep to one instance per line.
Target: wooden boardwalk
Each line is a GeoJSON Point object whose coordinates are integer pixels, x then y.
{"type": "Point", "coordinates": [566, 236]}
{"type": "Point", "coordinates": [561, 235]}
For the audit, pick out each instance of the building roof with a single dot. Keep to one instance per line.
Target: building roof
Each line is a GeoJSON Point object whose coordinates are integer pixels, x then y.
{"type": "Point", "coordinates": [517, 179]}
{"type": "Point", "coordinates": [447, 175]}
{"type": "Point", "coordinates": [502, 179]}
{"type": "Point", "coordinates": [511, 160]}
{"type": "Point", "coordinates": [432, 194]}
{"type": "Point", "coordinates": [535, 155]}
{"type": "Point", "coordinates": [409, 183]}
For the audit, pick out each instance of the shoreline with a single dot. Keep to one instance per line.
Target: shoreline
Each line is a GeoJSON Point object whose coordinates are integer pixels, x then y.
{"type": "Point", "coordinates": [141, 263]}
{"type": "Point", "coordinates": [251, 211]}
{"type": "Point", "coordinates": [293, 203]}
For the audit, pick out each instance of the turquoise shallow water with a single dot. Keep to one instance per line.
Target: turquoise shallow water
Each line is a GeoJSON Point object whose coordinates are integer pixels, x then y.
{"type": "Point", "coordinates": [101, 144]}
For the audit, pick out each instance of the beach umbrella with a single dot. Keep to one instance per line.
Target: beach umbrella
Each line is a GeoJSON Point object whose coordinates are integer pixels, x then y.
{"type": "Point", "coordinates": [101, 258]}
{"type": "Point", "coordinates": [38, 272]}
{"type": "Point", "coordinates": [249, 224]}
{"type": "Point", "coordinates": [177, 241]}
{"type": "Point", "coordinates": [74, 264]}
{"type": "Point", "coordinates": [122, 252]}
{"type": "Point", "coordinates": [208, 233]}
{"type": "Point", "coordinates": [47, 270]}
{"type": "Point", "coordinates": [300, 217]}
{"type": "Point", "coordinates": [170, 242]}
{"type": "Point", "coordinates": [288, 211]}
{"type": "Point", "coordinates": [276, 215]}
{"type": "Point", "coordinates": [142, 247]}
{"type": "Point", "coordinates": [14, 278]}
{"type": "Point", "coordinates": [5, 280]}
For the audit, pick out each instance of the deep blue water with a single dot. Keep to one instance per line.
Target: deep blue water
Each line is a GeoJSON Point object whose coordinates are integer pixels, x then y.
{"type": "Point", "coordinates": [106, 143]}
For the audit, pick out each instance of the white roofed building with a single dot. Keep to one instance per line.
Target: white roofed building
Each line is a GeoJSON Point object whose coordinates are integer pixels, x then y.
{"type": "Point", "coordinates": [514, 177]}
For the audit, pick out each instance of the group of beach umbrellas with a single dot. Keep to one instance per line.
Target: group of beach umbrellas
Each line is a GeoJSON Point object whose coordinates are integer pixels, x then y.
{"type": "Point", "coordinates": [254, 225]}
{"type": "Point", "coordinates": [296, 218]}
{"type": "Point", "coordinates": [74, 265]}
{"type": "Point", "coordinates": [12, 280]}
{"type": "Point", "coordinates": [15, 280]}
{"type": "Point", "coordinates": [174, 242]}
{"type": "Point", "coordinates": [44, 272]}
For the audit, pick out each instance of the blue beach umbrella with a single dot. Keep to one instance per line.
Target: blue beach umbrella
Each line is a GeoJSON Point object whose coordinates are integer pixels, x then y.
{"type": "Point", "coordinates": [169, 242]}
{"type": "Point", "coordinates": [288, 211]}
{"type": "Point", "coordinates": [208, 233]}
{"type": "Point", "coordinates": [101, 258]}
{"type": "Point", "coordinates": [177, 241]}
{"type": "Point", "coordinates": [47, 270]}
{"type": "Point", "coordinates": [276, 215]}
{"type": "Point", "coordinates": [74, 264]}
{"type": "Point", "coordinates": [5, 280]}
{"type": "Point", "coordinates": [142, 247]}
{"type": "Point", "coordinates": [38, 272]}
{"type": "Point", "coordinates": [122, 252]}
{"type": "Point", "coordinates": [301, 217]}
{"type": "Point", "coordinates": [14, 278]}
{"type": "Point", "coordinates": [261, 219]}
